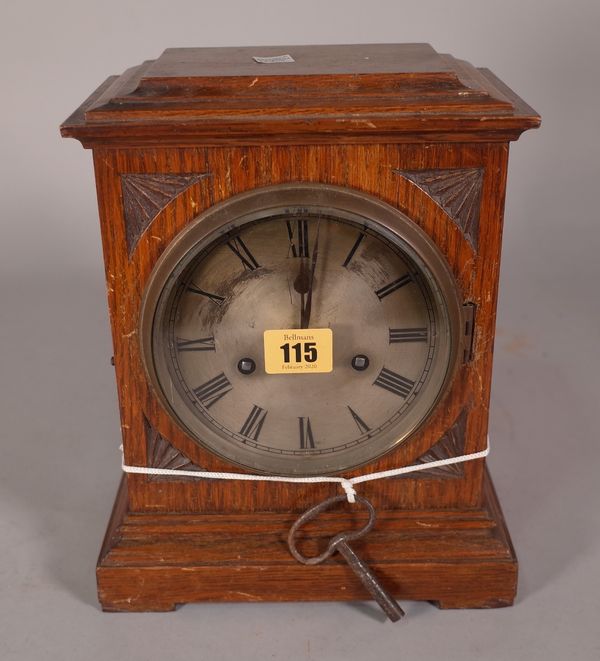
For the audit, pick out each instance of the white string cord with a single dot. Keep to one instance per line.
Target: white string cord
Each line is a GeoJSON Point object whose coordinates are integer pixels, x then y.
{"type": "Point", "coordinates": [347, 484]}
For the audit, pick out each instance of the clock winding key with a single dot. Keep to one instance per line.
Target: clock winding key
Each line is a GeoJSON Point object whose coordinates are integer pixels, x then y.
{"type": "Point", "coordinates": [340, 544]}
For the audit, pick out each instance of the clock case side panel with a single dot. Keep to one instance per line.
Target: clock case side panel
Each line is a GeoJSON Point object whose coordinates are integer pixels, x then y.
{"type": "Point", "coordinates": [378, 170]}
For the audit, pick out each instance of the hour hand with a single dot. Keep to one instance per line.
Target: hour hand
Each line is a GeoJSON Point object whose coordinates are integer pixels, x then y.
{"type": "Point", "coordinates": [302, 285]}
{"type": "Point", "coordinates": [304, 281]}
{"type": "Point", "coordinates": [306, 308]}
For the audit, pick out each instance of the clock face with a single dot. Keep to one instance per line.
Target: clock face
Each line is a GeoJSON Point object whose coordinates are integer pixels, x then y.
{"type": "Point", "coordinates": [349, 302]}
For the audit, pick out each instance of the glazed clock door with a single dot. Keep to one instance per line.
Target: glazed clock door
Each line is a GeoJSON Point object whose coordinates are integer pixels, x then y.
{"type": "Point", "coordinates": [351, 305]}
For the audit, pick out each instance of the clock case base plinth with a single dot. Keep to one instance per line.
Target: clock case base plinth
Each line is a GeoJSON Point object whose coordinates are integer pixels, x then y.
{"type": "Point", "coordinates": [454, 558]}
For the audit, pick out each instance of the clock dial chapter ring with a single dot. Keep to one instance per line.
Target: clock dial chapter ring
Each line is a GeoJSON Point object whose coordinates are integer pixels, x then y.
{"type": "Point", "coordinates": [377, 282]}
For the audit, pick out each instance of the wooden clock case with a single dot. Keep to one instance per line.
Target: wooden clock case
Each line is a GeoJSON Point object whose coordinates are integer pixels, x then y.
{"type": "Point", "coordinates": [424, 132]}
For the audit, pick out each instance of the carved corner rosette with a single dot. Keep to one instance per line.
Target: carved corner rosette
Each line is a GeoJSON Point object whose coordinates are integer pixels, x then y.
{"type": "Point", "coordinates": [161, 454]}
{"type": "Point", "coordinates": [457, 191]}
{"type": "Point", "coordinates": [146, 195]}
{"type": "Point", "coordinates": [451, 444]}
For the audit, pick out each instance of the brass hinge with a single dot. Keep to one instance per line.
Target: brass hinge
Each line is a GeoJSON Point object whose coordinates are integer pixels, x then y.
{"type": "Point", "coordinates": [468, 320]}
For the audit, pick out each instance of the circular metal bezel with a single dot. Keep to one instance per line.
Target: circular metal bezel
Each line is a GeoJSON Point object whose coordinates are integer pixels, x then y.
{"type": "Point", "coordinates": [210, 226]}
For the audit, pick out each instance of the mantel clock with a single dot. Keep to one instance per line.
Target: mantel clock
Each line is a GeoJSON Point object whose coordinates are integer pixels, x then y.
{"type": "Point", "coordinates": [302, 248]}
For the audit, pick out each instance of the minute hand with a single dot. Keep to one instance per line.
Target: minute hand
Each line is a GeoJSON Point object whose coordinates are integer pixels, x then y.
{"type": "Point", "coordinates": [305, 315]}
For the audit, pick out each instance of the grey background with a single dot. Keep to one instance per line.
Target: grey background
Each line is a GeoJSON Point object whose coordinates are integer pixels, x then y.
{"type": "Point", "coordinates": [59, 464]}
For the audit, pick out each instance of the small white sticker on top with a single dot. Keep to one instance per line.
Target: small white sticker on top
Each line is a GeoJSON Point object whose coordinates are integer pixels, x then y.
{"type": "Point", "coordinates": [274, 59]}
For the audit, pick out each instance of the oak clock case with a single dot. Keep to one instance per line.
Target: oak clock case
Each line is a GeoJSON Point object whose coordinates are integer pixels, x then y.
{"type": "Point", "coordinates": [300, 257]}
{"type": "Point", "coordinates": [356, 191]}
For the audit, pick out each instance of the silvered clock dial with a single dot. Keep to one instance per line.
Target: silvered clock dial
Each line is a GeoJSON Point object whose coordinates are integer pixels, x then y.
{"type": "Point", "coordinates": [366, 314]}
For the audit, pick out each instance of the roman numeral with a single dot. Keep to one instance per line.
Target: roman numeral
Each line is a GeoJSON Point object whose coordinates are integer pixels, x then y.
{"type": "Point", "coordinates": [393, 286]}
{"type": "Point", "coordinates": [254, 423]}
{"type": "Point", "coordinates": [393, 382]}
{"type": "Point", "coordinates": [307, 440]}
{"type": "Point", "coordinates": [408, 335]}
{"type": "Point", "coordinates": [215, 298]}
{"type": "Point", "coordinates": [201, 344]}
{"type": "Point", "coordinates": [239, 249]}
{"type": "Point", "coordinates": [354, 248]}
{"type": "Point", "coordinates": [211, 392]}
{"type": "Point", "coordinates": [360, 423]}
{"type": "Point", "coordinates": [298, 238]}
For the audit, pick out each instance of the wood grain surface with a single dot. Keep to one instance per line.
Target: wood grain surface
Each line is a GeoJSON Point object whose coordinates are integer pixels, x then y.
{"type": "Point", "coordinates": [455, 558]}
